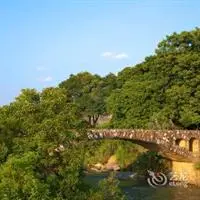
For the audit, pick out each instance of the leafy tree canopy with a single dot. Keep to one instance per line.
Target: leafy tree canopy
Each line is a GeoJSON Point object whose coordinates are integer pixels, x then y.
{"type": "Point", "coordinates": [163, 91]}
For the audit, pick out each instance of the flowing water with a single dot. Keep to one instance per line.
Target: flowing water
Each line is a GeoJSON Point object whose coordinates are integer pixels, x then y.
{"type": "Point", "coordinates": [140, 190]}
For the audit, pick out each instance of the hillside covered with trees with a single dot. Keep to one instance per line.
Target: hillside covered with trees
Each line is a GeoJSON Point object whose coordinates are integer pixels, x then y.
{"type": "Point", "coordinates": [164, 91]}
{"type": "Point", "coordinates": [43, 145]}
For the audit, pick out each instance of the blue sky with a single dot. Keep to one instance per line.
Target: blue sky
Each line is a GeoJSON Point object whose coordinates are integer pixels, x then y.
{"type": "Point", "coordinates": [43, 41]}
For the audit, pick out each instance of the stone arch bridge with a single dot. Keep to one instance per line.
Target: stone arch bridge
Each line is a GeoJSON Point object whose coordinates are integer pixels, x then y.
{"type": "Point", "coordinates": [175, 145]}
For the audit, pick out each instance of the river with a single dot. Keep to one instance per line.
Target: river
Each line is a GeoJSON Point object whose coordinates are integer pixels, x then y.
{"type": "Point", "coordinates": [140, 190]}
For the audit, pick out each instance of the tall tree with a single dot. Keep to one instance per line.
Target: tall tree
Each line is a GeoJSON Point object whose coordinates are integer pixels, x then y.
{"type": "Point", "coordinates": [88, 92]}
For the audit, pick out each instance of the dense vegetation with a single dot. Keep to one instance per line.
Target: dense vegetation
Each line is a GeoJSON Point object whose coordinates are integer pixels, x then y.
{"type": "Point", "coordinates": [41, 153]}
{"type": "Point", "coordinates": [43, 147]}
{"type": "Point", "coordinates": [163, 91]}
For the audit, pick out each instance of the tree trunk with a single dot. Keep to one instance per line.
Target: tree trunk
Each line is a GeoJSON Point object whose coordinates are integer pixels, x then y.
{"type": "Point", "coordinates": [90, 120]}
{"type": "Point", "coordinates": [94, 120]}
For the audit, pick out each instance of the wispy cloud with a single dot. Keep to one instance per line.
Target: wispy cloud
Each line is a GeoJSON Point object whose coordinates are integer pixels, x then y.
{"type": "Point", "coordinates": [121, 56]}
{"type": "Point", "coordinates": [46, 79]}
{"type": "Point", "coordinates": [114, 55]}
{"type": "Point", "coordinates": [107, 54]}
{"type": "Point", "coordinates": [41, 68]}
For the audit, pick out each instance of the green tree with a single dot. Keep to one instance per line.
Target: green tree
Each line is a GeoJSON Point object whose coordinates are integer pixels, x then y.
{"type": "Point", "coordinates": [89, 92]}
{"type": "Point", "coordinates": [163, 91]}
{"type": "Point", "coordinates": [44, 158]}
{"type": "Point", "coordinates": [108, 189]}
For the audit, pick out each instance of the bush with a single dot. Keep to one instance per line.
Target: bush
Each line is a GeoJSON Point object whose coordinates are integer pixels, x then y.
{"type": "Point", "coordinates": [108, 189]}
{"type": "Point", "coordinates": [150, 161]}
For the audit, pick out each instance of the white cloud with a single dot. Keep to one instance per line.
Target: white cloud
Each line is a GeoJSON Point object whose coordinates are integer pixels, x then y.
{"type": "Point", "coordinates": [114, 55]}
{"type": "Point", "coordinates": [121, 56]}
{"type": "Point", "coordinates": [46, 79]}
{"type": "Point", "coordinates": [107, 54]}
{"type": "Point", "coordinates": [41, 68]}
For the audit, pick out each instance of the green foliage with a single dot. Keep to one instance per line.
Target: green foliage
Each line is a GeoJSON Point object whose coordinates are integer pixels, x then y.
{"type": "Point", "coordinates": [41, 156]}
{"type": "Point", "coordinates": [108, 189]}
{"type": "Point", "coordinates": [126, 153]}
{"type": "Point", "coordinates": [100, 151]}
{"type": "Point", "coordinates": [18, 180]}
{"type": "Point", "coordinates": [180, 43]}
{"type": "Point", "coordinates": [150, 161]}
{"type": "Point", "coordinates": [3, 152]}
{"type": "Point", "coordinates": [89, 92]}
{"type": "Point", "coordinates": [163, 91]}
{"type": "Point", "coordinates": [197, 165]}
{"type": "Point", "coordinates": [42, 147]}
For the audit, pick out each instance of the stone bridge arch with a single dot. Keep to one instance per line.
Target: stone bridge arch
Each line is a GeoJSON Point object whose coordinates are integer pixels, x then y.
{"type": "Point", "coordinates": [172, 144]}
{"type": "Point", "coordinates": [194, 145]}
{"type": "Point", "coordinates": [183, 143]}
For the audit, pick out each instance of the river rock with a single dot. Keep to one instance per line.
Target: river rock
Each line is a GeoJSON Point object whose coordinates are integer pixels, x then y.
{"type": "Point", "coordinates": [98, 166]}
{"type": "Point", "coordinates": [112, 164]}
